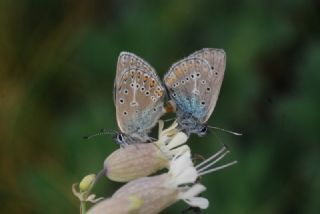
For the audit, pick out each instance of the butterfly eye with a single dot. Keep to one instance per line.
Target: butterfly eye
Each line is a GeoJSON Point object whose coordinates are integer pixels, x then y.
{"type": "Point", "coordinates": [119, 138]}
{"type": "Point", "coordinates": [204, 130]}
{"type": "Point", "coordinates": [208, 89]}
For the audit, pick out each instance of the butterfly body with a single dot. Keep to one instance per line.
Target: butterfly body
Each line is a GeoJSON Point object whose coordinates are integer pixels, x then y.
{"type": "Point", "coordinates": [193, 84]}
{"type": "Point", "coordinates": [138, 97]}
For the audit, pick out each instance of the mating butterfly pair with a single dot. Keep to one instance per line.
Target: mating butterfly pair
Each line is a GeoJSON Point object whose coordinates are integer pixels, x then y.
{"type": "Point", "coordinates": [193, 85]}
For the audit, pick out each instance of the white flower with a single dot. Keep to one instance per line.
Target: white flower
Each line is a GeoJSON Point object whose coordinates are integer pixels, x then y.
{"type": "Point", "coordinates": [159, 192]}
{"type": "Point", "coordinates": [143, 159]}
{"type": "Point", "coordinates": [171, 140]}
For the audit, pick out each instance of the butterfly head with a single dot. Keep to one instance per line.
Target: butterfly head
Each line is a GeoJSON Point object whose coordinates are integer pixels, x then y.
{"type": "Point", "coordinates": [191, 125]}
{"type": "Point", "coordinates": [121, 139]}
{"type": "Point", "coordinates": [198, 129]}
{"type": "Point", "coordinates": [202, 130]}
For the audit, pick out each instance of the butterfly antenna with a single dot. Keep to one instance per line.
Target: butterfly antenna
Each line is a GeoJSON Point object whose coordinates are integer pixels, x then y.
{"type": "Point", "coordinates": [102, 132]}
{"type": "Point", "coordinates": [224, 130]}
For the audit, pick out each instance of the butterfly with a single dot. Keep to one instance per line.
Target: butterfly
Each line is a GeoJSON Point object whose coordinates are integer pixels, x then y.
{"type": "Point", "coordinates": [138, 98]}
{"type": "Point", "coordinates": [193, 84]}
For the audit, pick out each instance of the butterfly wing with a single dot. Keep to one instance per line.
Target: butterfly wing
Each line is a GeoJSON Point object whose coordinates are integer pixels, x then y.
{"type": "Point", "coordinates": [194, 82]}
{"type": "Point", "coordinates": [138, 95]}
{"type": "Point", "coordinates": [217, 61]}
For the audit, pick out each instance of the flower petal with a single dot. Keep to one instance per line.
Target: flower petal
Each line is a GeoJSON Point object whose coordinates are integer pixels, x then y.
{"type": "Point", "coordinates": [200, 202]}
{"type": "Point", "coordinates": [180, 162]}
{"type": "Point", "coordinates": [192, 192]}
{"type": "Point", "coordinates": [179, 139]}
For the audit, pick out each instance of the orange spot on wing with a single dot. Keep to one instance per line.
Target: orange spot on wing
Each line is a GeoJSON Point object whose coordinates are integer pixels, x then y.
{"type": "Point", "coordinates": [152, 83]}
{"type": "Point", "coordinates": [170, 81]}
{"type": "Point", "coordinates": [179, 72]}
{"type": "Point", "coordinates": [145, 78]}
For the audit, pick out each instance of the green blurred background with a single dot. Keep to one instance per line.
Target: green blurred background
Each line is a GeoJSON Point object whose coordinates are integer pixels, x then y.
{"type": "Point", "coordinates": [57, 65]}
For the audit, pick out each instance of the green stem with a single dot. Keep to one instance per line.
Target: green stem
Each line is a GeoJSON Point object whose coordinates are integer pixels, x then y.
{"type": "Point", "coordinates": [83, 207]}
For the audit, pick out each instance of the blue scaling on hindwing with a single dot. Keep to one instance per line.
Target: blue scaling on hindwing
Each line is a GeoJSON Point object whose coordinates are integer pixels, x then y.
{"type": "Point", "coordinates": [190, 105]}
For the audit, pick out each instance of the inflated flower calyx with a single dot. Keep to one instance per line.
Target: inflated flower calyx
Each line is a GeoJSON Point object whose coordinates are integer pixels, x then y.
{"type": "Point", "coordinates": [134, 161]}
{"type": "Point", "coordinates": [126, 205]}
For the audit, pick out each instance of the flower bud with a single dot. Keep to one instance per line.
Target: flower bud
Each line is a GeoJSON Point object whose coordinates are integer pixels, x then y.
{"type": "Point", "coordinates": [126, 205]}
{"type": "Point", "coordinates": [87, 182]}
{"type": "Point", "coordinates": [82, 191]}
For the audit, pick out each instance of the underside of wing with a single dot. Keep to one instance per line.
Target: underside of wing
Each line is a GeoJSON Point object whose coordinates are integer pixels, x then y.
{"type": "Point", "coordinates": [217, 60]}
{"type": "Point", "coordinates": [138, 95]}
{"type": "Point", "coordinates": [189, 84]}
